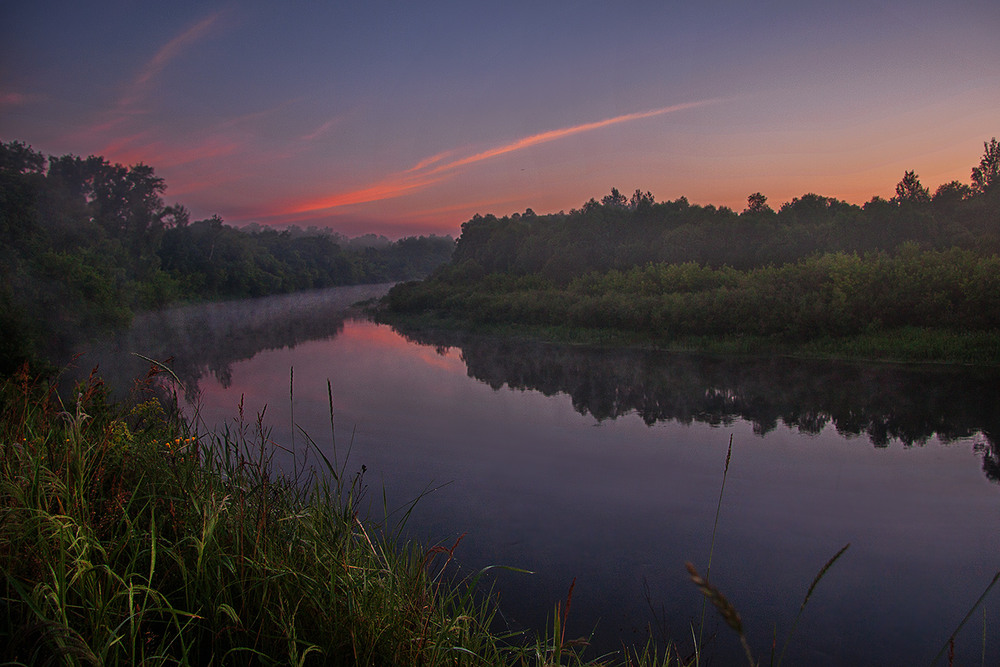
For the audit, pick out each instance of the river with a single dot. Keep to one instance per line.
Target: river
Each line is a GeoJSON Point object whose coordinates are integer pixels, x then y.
{"type": "Point", "coordinates": [605, 468]}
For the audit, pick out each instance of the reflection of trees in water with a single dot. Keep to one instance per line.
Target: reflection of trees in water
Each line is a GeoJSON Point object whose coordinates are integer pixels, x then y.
{"type": "Point", "coordinates": [885, 402]}
{"type": "Point", "coordinates": [209, 338]}
{"type": "Point", "coordinates": [991, 460]}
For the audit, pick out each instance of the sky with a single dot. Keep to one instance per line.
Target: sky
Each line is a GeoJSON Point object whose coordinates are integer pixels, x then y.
{"type": "Point", "coordinates": [407, 118]}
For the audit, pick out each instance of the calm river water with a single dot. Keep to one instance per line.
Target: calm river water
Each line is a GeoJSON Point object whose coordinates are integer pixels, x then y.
{"type": "Point", "coordinates": [605, 467]}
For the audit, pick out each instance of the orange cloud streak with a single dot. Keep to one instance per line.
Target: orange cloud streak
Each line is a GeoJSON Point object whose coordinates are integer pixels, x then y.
{"type": "Point", "coordinates": [386, 189]}
{"type": "Point", "coordinates": [552, 135]}
{"type": "Point", "coordinates": [426, 162]}
{"type": "Point", "coordinates": [412, 180]}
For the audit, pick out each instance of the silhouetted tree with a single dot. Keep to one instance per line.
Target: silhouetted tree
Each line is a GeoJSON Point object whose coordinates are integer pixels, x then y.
{"type": "Point", "coordinates": [951, 193]}
{"type": "Point", "coordinates": [757, 203]}
{"type": "Point", "coordinates": [19, 158]}
{"type": "Point", "coordinates": [640, 200]}
{"type": "Point", "coordinates": [615, 199]}
{"type": "Point", "coordinates": [911, 190]}
{"type": "Point", "coordinates": [987, 173]}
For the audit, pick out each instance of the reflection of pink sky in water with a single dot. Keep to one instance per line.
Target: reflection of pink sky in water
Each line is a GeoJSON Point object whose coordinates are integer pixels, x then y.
{"type": "Point", "coordinates": [385, 338]}
{"type": "Point", "coordinates": [537, 485]}
{"type": "Point", "coordinates": [368, 367]}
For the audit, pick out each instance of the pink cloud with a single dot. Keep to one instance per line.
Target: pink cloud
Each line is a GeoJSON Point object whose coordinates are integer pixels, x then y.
{"type": "Point", "coordinates": [431, 170]}
{"type": "Point", "coordinates": [388, 188]}
{"type": "Point", "coordinates": [124, 148]}
{"type": "Point", "coordinates": [426, 162]}
{"type": "Point", "coordinates": [552, 135]}
{"type": "Point", "coordinates": [134, 148]}
{"type": "Point", "coordinates": [15, 99]}
{"type": "Point", "coordinates": [126, 108]}
{"type": "Point", "coordinates": [174, 48]}
{"type": "Point", "coordinates": [321, 130]}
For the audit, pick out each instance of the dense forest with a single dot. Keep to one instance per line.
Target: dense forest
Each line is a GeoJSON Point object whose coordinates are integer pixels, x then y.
{"type": "Point", "coordinates": [84, 243]}
{"type": "Point", "coordinates": [817, 267]}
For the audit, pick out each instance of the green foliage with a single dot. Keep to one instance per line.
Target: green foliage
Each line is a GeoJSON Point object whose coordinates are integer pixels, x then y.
{"type": "Point", "coordinates": [987, 174]}
{"type": "Point", "coordinates": [819, 268]}
{"type": "Point", "coordinates": [129, 538]}
{"type": "Point", "coordinates": [823, 296]}
{"type": "Point", "coordinates": [84, 242]}
{"type": "Point", "coordinates": [616, 234]}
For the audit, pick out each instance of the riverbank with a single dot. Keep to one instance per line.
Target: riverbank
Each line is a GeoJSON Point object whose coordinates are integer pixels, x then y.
{"type": "Point", "coordinates": [912, 300]}
{"type": "Point", "coordinates": [640, 516]}
{"type": "Point", "coordinates": [132, 537]}
{"type": "Point", "coordinates": [911, 345]}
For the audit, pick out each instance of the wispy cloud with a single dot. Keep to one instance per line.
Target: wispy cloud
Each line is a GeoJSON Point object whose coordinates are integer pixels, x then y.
{"type": "Point", "coordinates": [426, 162]}
{"type": "Point", "coordinates": [127, 106]}
{"type": "Point", "coordinates": [15, 99]}
{"type": "Point", "coordinates": [553, 135]}
{"type": "Point", "coordinates": [123, 134]}
{"type": "Point", "coordinates": [389, 188]}
{"type": "Point", "coordinates": [436, 168]}
{"type": "Point", "coordinates": [321, 130]}
{"type": "Point", "coordinates": [138, 148]}
{"type": "Point", "coordinates": [173, 49]}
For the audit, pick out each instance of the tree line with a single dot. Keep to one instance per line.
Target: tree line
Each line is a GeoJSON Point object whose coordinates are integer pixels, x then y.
{"type": "Point", "coordinates": [85, 242]}
{"type": "Point", "coordinates": [815, 267]}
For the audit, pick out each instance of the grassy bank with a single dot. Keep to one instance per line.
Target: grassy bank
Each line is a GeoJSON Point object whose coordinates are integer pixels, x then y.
{"type": "Point", "coordinates": [915, 305]}
{"type": "Point", "coordinates": [902, 344]}
{"type": "Point", "coordinates": [128, 536]}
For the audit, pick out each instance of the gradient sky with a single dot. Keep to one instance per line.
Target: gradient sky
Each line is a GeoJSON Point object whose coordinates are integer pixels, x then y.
{"type": "Point", "coordinates": [404, 118]}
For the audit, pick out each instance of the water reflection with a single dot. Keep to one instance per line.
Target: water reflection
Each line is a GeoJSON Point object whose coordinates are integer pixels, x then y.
{"type": "Point", "coordinates": [210, 338]}
{"type": "Point", "coordinates": [885, 402]}
{"type": "Point", "coordinates": [621, 507]}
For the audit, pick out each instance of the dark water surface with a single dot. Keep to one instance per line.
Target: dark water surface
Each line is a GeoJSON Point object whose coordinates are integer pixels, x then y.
{"type": "Point", "coordinates": [605, 466]}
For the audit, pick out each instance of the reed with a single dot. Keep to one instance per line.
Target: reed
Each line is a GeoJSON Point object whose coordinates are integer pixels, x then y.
{"type": "Point", "coordinates": [724, 607]}
{"type": "Point", "coordinates": [129, 535]}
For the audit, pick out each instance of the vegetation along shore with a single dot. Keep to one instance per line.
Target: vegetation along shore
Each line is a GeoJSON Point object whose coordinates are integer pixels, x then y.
{"type": "Point", "coordinates": [86, 243]}
{"type": "Point", "coordinates": [132, 537]}
{"type": "Point", "coordinates": [912, 278]}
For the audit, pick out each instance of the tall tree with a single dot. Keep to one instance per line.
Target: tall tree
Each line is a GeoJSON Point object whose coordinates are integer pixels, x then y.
{"type": "Point", "coordinates": [21, 170]}
{"type": "Point", "coordinates": [987, 173]}
{"type": "Point", "coordinates": [615, 199]}
{"type": "Point", "coordinates": [641, 200]}
{"type": "Point", "coordinates": [910, 189]}
{"type": "Point", "coordinates": [757, 203]}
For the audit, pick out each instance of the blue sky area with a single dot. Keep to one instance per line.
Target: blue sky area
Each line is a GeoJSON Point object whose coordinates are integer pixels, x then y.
{"type": "Point", "coordinates": [403, 118]}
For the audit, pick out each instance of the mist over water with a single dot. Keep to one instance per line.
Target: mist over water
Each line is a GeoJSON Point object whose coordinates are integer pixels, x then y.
{"type": "Point", "coordinates": [202, 340]}
{"type": "Point", "coordinates": [605, 466]}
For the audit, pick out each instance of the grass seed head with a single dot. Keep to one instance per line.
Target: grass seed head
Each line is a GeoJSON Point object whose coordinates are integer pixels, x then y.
{"type": "Point", "coordinates": [715, 596]}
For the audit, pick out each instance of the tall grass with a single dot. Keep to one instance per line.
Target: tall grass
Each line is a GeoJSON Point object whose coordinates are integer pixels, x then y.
{"type": "Point", "coordinates": [129, 536]}
{"type": "Point", "coordinates": [725, 608]}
